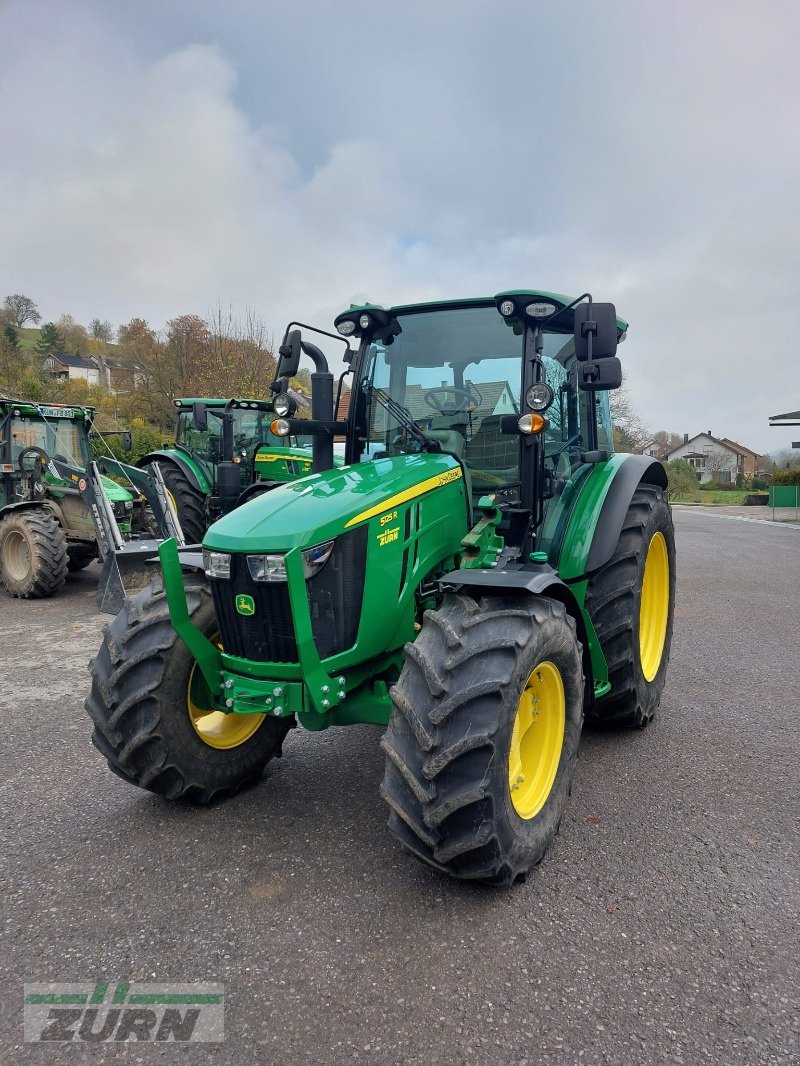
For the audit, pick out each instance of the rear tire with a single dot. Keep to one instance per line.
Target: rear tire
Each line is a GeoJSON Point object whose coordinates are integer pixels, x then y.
{"type": "Point", "coordinates": [614, 602]}
{"type": "Point", "coordinates": [143, 717]}
{"type": "Point", "coordinates": [452, 733]}
{"type": "Point", "coordinates": [189, 502]}
{"type": "Point", "coordinates": [33, 554]}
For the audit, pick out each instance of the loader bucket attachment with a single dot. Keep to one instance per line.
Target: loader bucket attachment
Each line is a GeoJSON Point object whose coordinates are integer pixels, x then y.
{"type": "Point", "coordinates": [124, 572]}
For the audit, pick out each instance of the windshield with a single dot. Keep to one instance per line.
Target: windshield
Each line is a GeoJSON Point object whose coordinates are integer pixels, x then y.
{"type": "Point", "coordinates": [457, 372]}
{"type": "Point", "coordinates": [61, 438]}
{"type": "Point", "coordinates": [250, 431]}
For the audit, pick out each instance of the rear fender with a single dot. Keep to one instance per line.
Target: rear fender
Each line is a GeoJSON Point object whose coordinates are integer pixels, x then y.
{"type": "Point", "coordinates": [193, 471]}
{"type": "Point", "coordinates": [596, 521]}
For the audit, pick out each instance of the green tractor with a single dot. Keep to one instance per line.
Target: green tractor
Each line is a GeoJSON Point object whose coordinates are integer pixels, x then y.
{"type": "Point", "coordinates": [224, 454]}
{"type": "Point", "coordinates": [481, 575]}
{"type": "Point", "coordinates": [46, 526]}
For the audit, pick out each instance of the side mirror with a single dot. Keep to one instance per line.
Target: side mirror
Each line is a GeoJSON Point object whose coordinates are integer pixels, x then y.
{"type": "Point", "coordinates": [199, 416]}
{"type": "Point", "coordinates": [289, 352]}
{"type": "Point", "coordinates": [601, 325]}
{"type": "Point", "coordinates": [600, 374]}
{"type": "Point", "coordinates": [127, 440]}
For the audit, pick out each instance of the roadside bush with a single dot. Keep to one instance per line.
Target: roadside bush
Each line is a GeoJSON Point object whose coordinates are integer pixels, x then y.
{"type": "Point", "coordinates": [681, 479]}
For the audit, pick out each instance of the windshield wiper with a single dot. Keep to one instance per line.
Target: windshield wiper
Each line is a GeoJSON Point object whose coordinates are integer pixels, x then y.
{"type": "Point", "coordinates": [405, 418]}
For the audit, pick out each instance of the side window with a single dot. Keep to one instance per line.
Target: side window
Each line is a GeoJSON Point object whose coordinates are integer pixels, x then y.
{"type": "Point", "coordinates": [605, 435]}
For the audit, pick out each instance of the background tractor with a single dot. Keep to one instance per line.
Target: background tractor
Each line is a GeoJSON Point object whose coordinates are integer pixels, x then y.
{"type": "Point", "coordinates": [46, 526]}
{"type": "Point", "coordinates": [224, 454]}
{"type": "Point", "coordinates": [481, 574]}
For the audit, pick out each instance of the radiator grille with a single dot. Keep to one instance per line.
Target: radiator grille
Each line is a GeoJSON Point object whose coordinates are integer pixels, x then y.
{"type": "Point", "coordinates": [334, 598]}
{"type": "Point", "coordinates": [336, 592]}
{"type": "Point", "coordinates": [266, 636]}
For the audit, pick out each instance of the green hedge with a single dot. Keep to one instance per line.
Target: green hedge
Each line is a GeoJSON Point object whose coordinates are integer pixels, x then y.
{"type": "Point", "coordinates": [787, 477]}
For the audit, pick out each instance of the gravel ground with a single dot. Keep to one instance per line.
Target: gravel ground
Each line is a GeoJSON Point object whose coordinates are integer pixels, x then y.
{"type": "Point", "coordinates": [662, 927]}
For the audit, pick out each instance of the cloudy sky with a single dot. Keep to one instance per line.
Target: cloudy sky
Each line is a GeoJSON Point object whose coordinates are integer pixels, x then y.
{"type": "Point", "coordinates": [162, 155]}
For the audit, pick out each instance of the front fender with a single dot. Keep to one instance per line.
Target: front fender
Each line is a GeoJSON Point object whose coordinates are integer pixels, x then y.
{"type": "Point", "coordinates": [24, 505]}
{"type": "Point", "coordinates": [543, 581]}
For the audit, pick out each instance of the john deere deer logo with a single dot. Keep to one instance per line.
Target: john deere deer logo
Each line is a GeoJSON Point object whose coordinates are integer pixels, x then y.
{"type": "Point", "coordinates": [245, 605]}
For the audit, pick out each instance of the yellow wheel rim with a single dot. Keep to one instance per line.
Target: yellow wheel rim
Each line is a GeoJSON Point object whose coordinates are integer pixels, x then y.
{"type": "Point", "coordinates": [654, 607]}
{"type": "Point", "coordinates": [217, 730]}
{"type": "Point", "coordinates": [537, 740]}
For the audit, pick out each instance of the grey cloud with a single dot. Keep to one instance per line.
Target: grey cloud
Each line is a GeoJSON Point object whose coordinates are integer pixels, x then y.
{"type": "Point", "coordinates": [288, 156]}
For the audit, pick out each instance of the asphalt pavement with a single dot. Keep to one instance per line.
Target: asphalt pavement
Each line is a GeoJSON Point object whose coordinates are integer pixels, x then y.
{"type": "Point", "coordinates": [661, 927]}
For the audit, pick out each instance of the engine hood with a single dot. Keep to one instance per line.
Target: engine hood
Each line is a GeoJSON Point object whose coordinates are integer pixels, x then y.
{"type": "Point", "coordinates": [114, 491]}
{"type": "Point", "coordinates": [319, 507]}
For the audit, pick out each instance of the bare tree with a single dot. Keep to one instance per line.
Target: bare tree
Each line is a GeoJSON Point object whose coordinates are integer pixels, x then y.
{"type": "Point", "coordinates": [101, 331]}
{"type": "Point", "coordinates": [721, 466]}
{"type": "Point", "coordinates": [630, 432]}
{"type": "Point", "coordinates": [19, 309]}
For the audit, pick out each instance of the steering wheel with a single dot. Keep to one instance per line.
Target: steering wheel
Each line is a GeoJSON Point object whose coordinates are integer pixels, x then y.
{"type": "Point", "coordinates": [38, 455]}
{"type": "Point", "coordinates": [463, 399]}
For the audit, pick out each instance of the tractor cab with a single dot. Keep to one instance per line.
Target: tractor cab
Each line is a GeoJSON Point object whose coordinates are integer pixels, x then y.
{"type": "Point", "coordinates": [250, 421]}
{"type": "Point", "coordinates": [59, 431]}
{"type": "Point", "coordinates": [462, 377]}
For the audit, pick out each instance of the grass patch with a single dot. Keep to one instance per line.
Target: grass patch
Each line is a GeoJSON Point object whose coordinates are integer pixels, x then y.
{"type": "Point", "coordinates": [28, 336]}
{"type": "Point", "coordinates": [731, 497]}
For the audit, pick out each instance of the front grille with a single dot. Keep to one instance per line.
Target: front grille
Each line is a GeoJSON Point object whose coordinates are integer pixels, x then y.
{"type": "Point", "coordinates": [336, 592]}
{"type": "Point", "coordinates": [266, 636]}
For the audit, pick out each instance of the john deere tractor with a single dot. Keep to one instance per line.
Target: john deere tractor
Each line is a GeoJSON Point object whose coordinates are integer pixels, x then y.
{"type": "Point", "coordinates": [481, 575]}
{"type": "Point", "coordinates": [46, 526]}
{"type": "Point", "coordinates": [224, 454]}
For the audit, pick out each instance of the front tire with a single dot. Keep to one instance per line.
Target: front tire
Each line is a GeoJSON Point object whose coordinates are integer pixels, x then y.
{"type": "Point", "coordinates": [151, 719]}
{"type": "Point", "coordinates": [464, 727]}
{"type": "Point", "coordinates": [33, 554]}
{"type": "Point", "coordinates": [631, 601]}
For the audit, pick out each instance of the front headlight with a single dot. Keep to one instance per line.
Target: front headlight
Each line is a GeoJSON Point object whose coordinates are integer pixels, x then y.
{"type": "Point", "coordinates": [315, 558]}
{"type": "Point", "coordinates": [216, 564]}
{"type": "Point", "coordinates": [267, 567]}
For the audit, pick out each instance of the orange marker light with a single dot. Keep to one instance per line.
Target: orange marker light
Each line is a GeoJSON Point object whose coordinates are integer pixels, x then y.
{"type": "Point", "coordinates": [533, 422]}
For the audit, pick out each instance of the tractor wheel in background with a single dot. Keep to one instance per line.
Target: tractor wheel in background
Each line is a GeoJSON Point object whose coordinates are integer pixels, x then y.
{"type": "Point", "coordinates": [33, 554]}
{"type": "Point", "coordinates": [79, 556]}
{"type": "Point", "coordinates": [190, 502]}
{"type": "Point", "coordinates": [483, 738]}
{"type": "Point", "coordinates": [151, 711]}
{"type": "Point", "coordinates": [631, 603]}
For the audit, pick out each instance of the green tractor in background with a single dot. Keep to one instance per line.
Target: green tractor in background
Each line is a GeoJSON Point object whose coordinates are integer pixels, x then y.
{"type": "Point", "coordinates": [224, 454]}
{"type": "Point", "coordinates": [46, 526]}
{"type": "Point", "coordinates": [481, 575]}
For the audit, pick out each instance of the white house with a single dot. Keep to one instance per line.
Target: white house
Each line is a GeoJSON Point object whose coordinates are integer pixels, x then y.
{"type": "Point", "coordinates": [715, 459]}
{"type": "Point", "coordinates": [115, 375]}
{"type": "Point", "coordinates": [652, 448]}
{"type": "Point", "coordinates": [72, 367]}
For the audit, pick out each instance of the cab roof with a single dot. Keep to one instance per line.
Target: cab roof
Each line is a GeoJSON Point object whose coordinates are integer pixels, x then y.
{"type": "Point", "coordinates": [526, 295]}
{"type": "Point", "coordinates": [33, 407]}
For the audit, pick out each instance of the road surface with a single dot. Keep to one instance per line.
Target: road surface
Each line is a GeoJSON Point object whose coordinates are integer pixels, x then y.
{"type": "Point", "coordinates": [662, 926]}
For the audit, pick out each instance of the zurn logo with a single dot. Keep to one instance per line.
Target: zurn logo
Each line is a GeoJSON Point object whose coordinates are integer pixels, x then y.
{"type": "Point", "coordinates": [102, 1011]}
